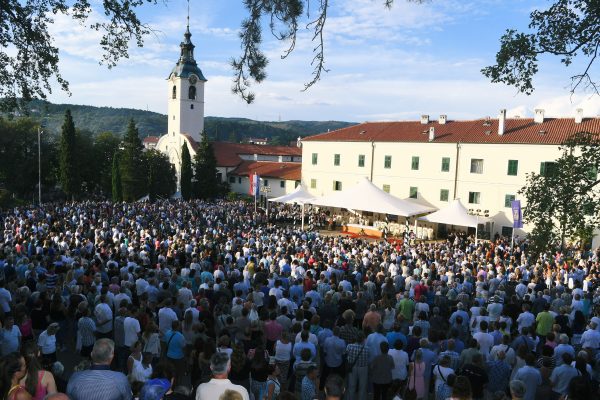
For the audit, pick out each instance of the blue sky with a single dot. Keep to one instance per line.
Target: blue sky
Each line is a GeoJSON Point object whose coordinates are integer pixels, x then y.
{"type": "Point", "coordinates": [384, 64]}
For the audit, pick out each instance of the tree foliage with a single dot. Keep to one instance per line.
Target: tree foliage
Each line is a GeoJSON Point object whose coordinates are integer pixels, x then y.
{"type": "Point", "coordinates": [26, 72]}
{"type": "Point", "coordinates": [69, 173]}
{"type": "Point", "coordinates": [19, 159]}
{"type": "Point", "coordinates": [563, 202]}
{"type": "Point", "coordinates": [133, 173]}
{"type": "Point", "coordinates": [28, 56]}
{"type": "Point", "coordinates": [117, 188]}
{"type": "Point", "coordinates": [105, 145]}
{"type": "Point", "coordinates": [567, 29]}
{"type": "Point", "coordinates": [186, 173]}
{"type": "Point", "coordinates": [206, 184]}
{"type": "Point", "coordinates": [160, 175]}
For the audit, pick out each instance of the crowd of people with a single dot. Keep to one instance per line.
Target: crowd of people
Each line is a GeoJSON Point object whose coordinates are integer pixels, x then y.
{"type": "Point", "coordinates": [208, 300]}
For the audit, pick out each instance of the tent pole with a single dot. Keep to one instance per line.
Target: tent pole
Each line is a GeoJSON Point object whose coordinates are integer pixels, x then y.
{"type": "Point", "coordinates": [512, 242]}
{"type": "Point", "coordinates": [416, 220]}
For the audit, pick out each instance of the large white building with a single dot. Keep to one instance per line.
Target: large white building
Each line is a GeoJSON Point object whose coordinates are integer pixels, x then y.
{"type": "Point", "coordinates": [482, 162]}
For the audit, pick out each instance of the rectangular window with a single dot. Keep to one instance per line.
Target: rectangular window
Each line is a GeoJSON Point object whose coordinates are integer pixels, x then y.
{"type": "Point", "coordinates": [313, 183]}
{"type": "Point", "coordinates": [232, 179]}
{"type": "Point", "coordinates": [386, 188]}
{"type": "Point", "coordinates": [507, 231]}
{"type": "Point", "coordinates": [508, 199]}
{"type": "Point", "coordinates": [337, 185]}
{"type": "Point", "coordinates": [282, 184]}
{"type": "Point", "coordinates": [315, 158]}
{"type": "Point", "coordinates": [513, 167]}
{"type": "Point", "coordinates": [444, 193]}
{"type": "Point", "coordinates": [240, 180]}
{"type": "Point", "coordinates": [387, 163]}
{"type": "Point", "coordinates": [474, 197]}
{"type": "Point", "coordinates": [336, 160]}
{"type": "Point", "coordinates": [445, 164]}
{"type": "Point", "coordinates": [361, 160]}
{"type": "Point", "coordinates": [414, 165]}
{"type": "Point", "coordinates": [547, 168]}
{"type": "Point", "coordinates": [265, 182]}
{"type": "Point", "coordinates": [476, 166]}
{"type": "Point", "coordinates": [413, 192]}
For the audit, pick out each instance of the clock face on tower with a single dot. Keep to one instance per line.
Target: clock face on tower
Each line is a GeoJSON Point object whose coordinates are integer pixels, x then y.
{"type": "Point", "coordinates": [193, 79]}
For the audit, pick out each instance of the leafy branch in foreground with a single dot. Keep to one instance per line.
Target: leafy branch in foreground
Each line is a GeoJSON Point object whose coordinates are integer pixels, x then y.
{"type": "Point", "coordinates": [567, 29]}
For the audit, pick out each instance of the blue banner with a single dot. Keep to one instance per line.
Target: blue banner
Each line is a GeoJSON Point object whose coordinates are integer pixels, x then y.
{"type": "Point", "coordinates": [517, 214]}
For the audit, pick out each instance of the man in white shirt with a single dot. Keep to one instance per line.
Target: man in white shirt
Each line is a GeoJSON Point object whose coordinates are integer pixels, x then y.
{"type": "Point", "coordinates": [104, 318]}
{"type": "Point", "coordinates": [185, 295]}
{"type": "Point", "coordinates": [132, 329]}
{"type": "Point", "coordinates": [525, 319]}
{"type": "Point", "coordinates": [166, 316]}
{"type": "Point", "coordinates": [213, 389]}
{"type": "Point", "coordinates": [591, 337]}
{"type": "Point", "coordinates": [485, 340]}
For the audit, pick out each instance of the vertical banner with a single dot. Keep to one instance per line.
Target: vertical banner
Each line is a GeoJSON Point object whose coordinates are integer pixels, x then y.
{"type": "Point", "coordinates": [517, 214]}
{"type": "Point", "coordinates": [254, 188]}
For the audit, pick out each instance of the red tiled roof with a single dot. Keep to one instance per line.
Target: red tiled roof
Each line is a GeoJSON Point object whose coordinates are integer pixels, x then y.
{"type": "Point", "coordinates": [151, 139]}
{"type": "Point", "coordinates": [192, 142]}
{"type": "Point", "coordinates": [227, 154]}
{"type": "Point", "coordinates": [552, 131]}
{"type": "Point", "coordinates": [268, 169]}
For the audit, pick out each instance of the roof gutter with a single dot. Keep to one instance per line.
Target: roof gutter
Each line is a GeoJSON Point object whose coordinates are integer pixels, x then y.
{"type": "Point", "coordinates": [456, 169]}
{"type": "Point", "coordinates": [372, 158]}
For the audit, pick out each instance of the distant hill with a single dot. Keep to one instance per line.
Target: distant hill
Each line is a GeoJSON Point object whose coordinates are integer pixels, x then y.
{"type": "Point", "coordinates": [102, 119]}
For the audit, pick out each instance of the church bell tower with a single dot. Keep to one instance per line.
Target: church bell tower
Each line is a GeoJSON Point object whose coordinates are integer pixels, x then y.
{"type": "Point", "coordinates": [186, 93]}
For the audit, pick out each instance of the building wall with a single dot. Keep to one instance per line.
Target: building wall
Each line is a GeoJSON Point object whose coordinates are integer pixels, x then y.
{"type": "Point", "coordinates": [493, 184]}
{"type": "Point", "coordinates": [181, 117]}
{"type": "Point", "coordinates": [241, 185]}
{"type": "Point", "coordinates": [171, 145]}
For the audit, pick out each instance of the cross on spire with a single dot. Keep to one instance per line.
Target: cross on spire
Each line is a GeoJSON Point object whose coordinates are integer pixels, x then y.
{"type": "Point", "coordinates": [188, 15]}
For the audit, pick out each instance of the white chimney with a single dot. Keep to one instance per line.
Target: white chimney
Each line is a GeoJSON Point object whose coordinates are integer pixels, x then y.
{"type": "Point", "coordinates": [443, 119]}
{"type": "Point", "coordinates": [299, 142]}
{"type": "Point", "coordinates": [501, 122]}
{"type": "Point", "coordinates": [431, 134]}
{"type": "Point", "coordinates": [424, 119]}
{"type": "Point", "coordinates": [538, 118]}
{"type": "Point", "coordinates": [579, 115]}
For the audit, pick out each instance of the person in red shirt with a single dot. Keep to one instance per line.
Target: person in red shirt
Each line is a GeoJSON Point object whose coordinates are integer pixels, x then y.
{"type": "Point", "coordinates": [273, 330]}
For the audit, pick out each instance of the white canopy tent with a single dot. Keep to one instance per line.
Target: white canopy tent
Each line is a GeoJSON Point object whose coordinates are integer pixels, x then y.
{"type": "Point", "coordinates": [298, 196]}
{"type": "Point", "coordinates": [454, 214]}
{"type": "Point", "coordinates": [365, 196]}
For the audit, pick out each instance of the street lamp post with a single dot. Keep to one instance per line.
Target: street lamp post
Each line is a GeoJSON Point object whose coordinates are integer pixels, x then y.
{"type": "Point", "coordinates": [40, 131]}
{"type": "Point", "coordinates": [266, 190]}
{"type": "Point", "coordinates": [478, 213]}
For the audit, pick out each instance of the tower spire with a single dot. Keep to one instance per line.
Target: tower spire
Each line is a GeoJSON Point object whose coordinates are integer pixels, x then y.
{"type": "Point", "coordinates": [188, 15]}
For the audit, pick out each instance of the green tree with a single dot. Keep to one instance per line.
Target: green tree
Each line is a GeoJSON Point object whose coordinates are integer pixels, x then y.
{"type": "Point", "coordinates": [105, 146]}
{"type": "Point", "coordinates": [566, 29]}
{"type": "Point", "coordinates": [19, 159]}
{"type": "Point", "coordinates": [563, 200]}
{"type": "Point", "coordinates": [69, 173]}
{"type": "Point", "coordinates": [29, 56]}
{"type": "Point", "coordinates": [133, 177]}
{"type": "Point", "coordinates": [117, 189]}
{"type": "Point", "coordinates": [206, 184]}
{"type": "Point", "coordinates": [186, 173]}
{"type": "Point", "coordinates": [160, 173]}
